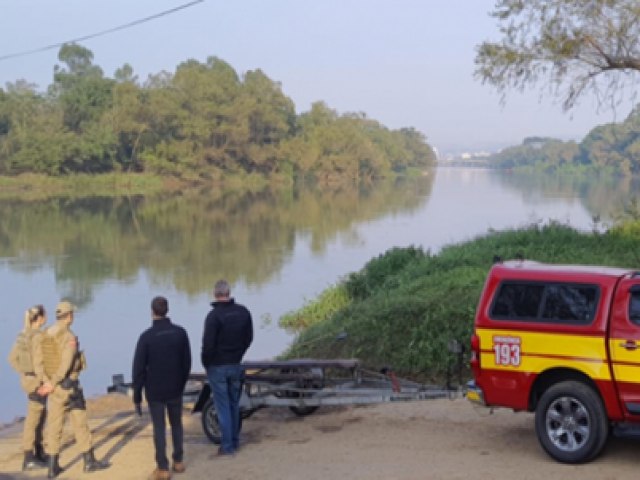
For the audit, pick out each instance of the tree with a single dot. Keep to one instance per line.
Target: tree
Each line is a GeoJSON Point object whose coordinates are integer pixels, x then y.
{"type": "Point", "coordinates": [5, 121]}
{"type": "Point", "coordinates": [204, 122]}
{"type": "Point", "coordinates": [570, 46]}
{"type": "Point", "coordinates": [81, 87]}
{"type": "Point", "coordinates": [125, 74]}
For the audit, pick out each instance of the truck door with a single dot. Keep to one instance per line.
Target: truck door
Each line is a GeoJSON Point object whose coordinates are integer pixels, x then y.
{"type": "Point", "coordinates": [624, 344]}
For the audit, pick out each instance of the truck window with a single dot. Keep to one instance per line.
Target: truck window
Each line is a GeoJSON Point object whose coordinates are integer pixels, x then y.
{"type": "Point", "coordinates": [547, 302]}
{"type": "Point", "coordinates": [634, 307]}
{"type": "Point", "coordinates": [518, 301]}
{"type": "Point", "coordinates": [570, 303]}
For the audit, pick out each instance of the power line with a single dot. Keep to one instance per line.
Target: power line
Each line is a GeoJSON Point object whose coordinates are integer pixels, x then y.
{"type": "Point", "coordinates": [101, 33]}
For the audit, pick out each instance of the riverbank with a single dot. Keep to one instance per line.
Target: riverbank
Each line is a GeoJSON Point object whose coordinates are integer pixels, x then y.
{"type": "Point", "coordinates": [31, 186]}
{"type": "Point", "coordinates": [435, 439]}
{"type": "Point", "coordinates": [36, 186]}
{"type": "Point", "coordinates": [405, 306]}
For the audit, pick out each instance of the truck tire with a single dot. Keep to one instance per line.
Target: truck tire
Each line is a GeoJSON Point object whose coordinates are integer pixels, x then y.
{"type": "Point", "coordinates": [210, 424]}
{"type": "Point", "coordinates": [571, 422]}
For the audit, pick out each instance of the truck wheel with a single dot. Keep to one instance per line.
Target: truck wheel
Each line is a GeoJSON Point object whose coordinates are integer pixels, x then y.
{"type": "Point", "coordinates": [210, 424]}
{"type": "Point", "coordinates": [571, 422]}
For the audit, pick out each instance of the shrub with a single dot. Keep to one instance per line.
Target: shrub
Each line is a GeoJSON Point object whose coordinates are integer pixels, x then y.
{"type": "Point", "coordinates": [404, 307]}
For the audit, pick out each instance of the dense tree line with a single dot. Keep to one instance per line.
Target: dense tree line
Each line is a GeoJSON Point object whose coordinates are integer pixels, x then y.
{"type": "Point", "coordinates": [612, 147]}
{"type": "Point", "coordinates": [202, 122]}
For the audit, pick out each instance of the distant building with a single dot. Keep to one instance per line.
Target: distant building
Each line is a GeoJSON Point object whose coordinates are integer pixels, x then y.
{"type": "Point", "coordinates": [465, 158]}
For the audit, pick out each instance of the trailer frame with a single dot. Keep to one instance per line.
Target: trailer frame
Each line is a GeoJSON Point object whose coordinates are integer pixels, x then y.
{"type": "Point", "coordinates": [304, 385]}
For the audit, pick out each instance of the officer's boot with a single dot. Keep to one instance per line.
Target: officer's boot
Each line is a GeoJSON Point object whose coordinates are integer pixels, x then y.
{"type": "Point", "coordinates": [54, 467]}
{"type": "Point", "coordinates": [32, 462]}
{"type": "Point", "coordinates": [91, 464]}
{"type": "Point", "coordinates": [40, 454]}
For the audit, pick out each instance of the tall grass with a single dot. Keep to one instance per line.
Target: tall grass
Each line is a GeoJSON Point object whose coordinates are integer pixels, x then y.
{"type": "Point", "coordinates": [405, 306]}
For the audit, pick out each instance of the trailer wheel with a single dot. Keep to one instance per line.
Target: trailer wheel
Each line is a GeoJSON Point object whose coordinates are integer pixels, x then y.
{"type": "Point", "coordinates": [312, 384]}
{"type": "Point", "coordinates": [571, 422]}
{"type": "Point", "coordinates": [303, 411]}
{"type": "Point", "coordinates": [210, 424]}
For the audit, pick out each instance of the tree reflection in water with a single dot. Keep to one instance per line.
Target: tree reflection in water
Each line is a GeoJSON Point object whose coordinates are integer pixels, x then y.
{"type": "Point", "coordinates": [188, 239]}
{"type": "Point", "coordinates": [604, 196]}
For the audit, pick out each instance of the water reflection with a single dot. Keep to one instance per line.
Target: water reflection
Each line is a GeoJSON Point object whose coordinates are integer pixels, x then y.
{"type": "Point", "coordinates": [604, 196]}
{"type": "Point", "coordinates": [188, 239]}
{"type": "Point", "coordinates": [277, 247]}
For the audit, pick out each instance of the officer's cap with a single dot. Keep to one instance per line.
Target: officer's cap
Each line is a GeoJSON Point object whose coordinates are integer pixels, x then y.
{"type": "Point", "coordinates": [64, 307]}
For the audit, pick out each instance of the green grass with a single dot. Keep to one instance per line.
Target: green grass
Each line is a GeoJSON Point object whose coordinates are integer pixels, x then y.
{"type": "Point", "coordinates": [329, 302]}
{"type": "Point", "coordinates": [404, 307]}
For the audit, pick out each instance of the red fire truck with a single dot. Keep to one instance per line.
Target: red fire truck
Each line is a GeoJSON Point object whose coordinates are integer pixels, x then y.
{"type": "Point", "coordinates": [562, 341]}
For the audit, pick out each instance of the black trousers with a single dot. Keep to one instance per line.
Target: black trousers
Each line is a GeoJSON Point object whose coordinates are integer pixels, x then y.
{"type": "Point", "coordinates": [173, 409]}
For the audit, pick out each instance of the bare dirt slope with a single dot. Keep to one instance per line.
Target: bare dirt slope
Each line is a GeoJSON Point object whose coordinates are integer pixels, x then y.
{"type": "Point", "coordinates": [436, 439]}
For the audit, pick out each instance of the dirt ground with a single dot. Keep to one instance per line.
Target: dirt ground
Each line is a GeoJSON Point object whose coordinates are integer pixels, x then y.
{"type": "Point", "coordinates": [434, 439]}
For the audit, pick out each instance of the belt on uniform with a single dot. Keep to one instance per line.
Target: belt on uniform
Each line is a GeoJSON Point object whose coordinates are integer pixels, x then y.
{"type": "Point", "coordinates": [29, 374]}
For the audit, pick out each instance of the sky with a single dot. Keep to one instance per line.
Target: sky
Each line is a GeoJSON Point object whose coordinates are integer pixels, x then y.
{"type": "Point", "coordinates": [405, 63]}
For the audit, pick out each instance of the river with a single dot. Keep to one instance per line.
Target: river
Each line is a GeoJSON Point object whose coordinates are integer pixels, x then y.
{"type": "Point", "coordinates": [277, 248]}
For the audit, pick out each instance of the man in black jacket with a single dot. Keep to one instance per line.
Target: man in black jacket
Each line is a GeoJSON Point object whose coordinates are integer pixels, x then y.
{"type": "Point", "coordinates": [228, 332]}
{"type": "Point", "coordinates": [161, 366]}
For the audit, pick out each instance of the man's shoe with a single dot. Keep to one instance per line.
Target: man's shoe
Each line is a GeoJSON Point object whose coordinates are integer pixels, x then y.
{"type": "Point", "coordinates": [159, 474]}
{"type": "Point", "coordinates": [226, 452]}
{"type": "Point", "coordinates": [178, 467]}
{"type": "Point", "coordinates": [32, 462]}
{"type": "Point", "coordinates": [54, 467]}
{"type": "Point", "coordinates": [91, 464]}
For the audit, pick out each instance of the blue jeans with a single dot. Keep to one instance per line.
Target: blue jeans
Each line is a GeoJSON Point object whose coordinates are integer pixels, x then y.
{"type": "Point", "coordinates": [226, 387]}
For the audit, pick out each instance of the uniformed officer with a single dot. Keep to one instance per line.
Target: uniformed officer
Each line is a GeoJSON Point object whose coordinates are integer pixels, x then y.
{"type": "Point", "coordinates": [63, 362]}
{"type": "Point", "coordinates": [31, 379]}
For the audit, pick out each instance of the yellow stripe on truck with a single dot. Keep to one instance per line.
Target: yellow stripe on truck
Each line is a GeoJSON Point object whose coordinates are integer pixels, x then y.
{"type": "Point", "coordinates": [625, 363]}
{"type": "Point", "coordinates": [626, 373]}
{"type": "Point", "coordinates": [536, 352]}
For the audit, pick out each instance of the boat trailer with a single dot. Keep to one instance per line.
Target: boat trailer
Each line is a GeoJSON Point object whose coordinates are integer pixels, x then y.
{"type": "Point", "coordinates": [303, 386]}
